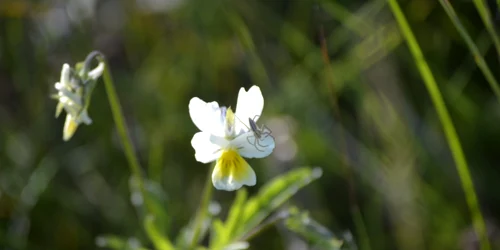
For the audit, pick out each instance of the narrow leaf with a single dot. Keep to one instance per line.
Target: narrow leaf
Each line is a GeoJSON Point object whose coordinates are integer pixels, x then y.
{"type": "Point", "coordinates": [226, 230]}
{"type": "Point", "coordinates": [274, 194]}
{"type": "Point", "coordinates": [161, 242]}
{"type": "Point", "coordinates": [312, 231]}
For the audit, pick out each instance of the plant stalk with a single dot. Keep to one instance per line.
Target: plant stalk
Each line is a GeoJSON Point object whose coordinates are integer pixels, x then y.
{"type": "Point", "coordinates": [446, 122]}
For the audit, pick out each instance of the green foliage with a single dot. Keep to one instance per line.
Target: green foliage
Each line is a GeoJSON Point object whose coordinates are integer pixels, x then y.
{"type": "Point", "coordinates": [317, 235]}
{"type": "Point", "coordinates": [272, 195]}
{"type": "Point", "coordinates": [448, 127]}
{"type": "Point", "coordinates": [342, 82]}
{"type": "Point", "coordinates": [245, 216]}
{"type": "Point", "coordinates": [118, 243]}
{"type": "Point", "coordinates": [160, 241]}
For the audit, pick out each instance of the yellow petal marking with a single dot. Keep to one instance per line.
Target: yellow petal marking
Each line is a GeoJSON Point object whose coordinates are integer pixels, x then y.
{"type": "Point", "coordinates": [232, 171]}
{"type": "Point", "coordinates": [70, 127]}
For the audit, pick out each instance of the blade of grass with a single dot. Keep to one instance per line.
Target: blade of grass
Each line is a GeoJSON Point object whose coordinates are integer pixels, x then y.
{"type": "Point", "coordinates": [448, 127]}
{"type": "Point", "coordinates": [256, 66]}
{"type": "Point", "coordinates": [484, 12]}
{"type": "Point", "coordinates": [203, 209]}
{"type": "Point", "coordinates": [463, 74]}
{"type": "Point", "coordinates": [481, 63]}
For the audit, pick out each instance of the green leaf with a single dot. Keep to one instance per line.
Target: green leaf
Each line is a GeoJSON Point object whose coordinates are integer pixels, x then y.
{"type": "Point", "coordinates": [218, 234]}
{"type": "Point", "coordinates": [235, 212]}
{"type": "Point", "coordinates": [225, 231]}
{"type": "Point", "coordinates": [161, 242]}
{"type": "Point", "coordinates": [272, 195]}
{"type": "Point", "coordinates": [117, 242]}
{"type": "Point", "coordinates": [157, 205]}
{"type": "Point", "coordinates": [312, 231]}
{"type": "Point", "coordinates": [186, 235]}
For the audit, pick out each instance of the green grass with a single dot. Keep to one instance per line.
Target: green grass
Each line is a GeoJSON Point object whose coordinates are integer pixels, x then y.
{"type": "Point", "coordinates": [446, 122]}
{"type": "Point", "coordinates": [479, 59]}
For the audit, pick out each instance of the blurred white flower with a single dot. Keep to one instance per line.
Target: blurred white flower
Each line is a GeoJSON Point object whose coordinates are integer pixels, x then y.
{"type": "Point", "coordinates": [71, 94]}
{"type": "Point", "coordinates": [226, 136]}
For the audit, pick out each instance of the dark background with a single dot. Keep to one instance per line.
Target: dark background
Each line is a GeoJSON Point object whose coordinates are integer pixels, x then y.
{"type": "Point", "coordinates": [364, 116]}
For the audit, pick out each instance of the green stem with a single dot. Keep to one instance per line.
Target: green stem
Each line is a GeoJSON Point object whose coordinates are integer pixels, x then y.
{"type": "Point", "coordinates": [203, 209]}
{"type": "Point", "coordinates": [484, 12]}
{"type": "Point", "coordinates": [481, 63]}
{"type": "Point", "coordinates": [364, 240]}
{"type": "Point", "coordinates": [446, 122]}
{"type": "Point", "coordinates": [120, 124]}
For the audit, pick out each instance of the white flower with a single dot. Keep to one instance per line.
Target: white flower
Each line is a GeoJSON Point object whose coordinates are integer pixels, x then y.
{"type": "Point", "coordinates": [71, 99]}
{"type": "Point", "coordinates": [226, 137]}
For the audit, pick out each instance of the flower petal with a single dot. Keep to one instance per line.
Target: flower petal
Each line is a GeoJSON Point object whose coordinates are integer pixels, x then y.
{"type": "Point", "coordinates": [251, 146]}
{"type": "Point", "coordinates": [232, 172]}
{"type": "Point", "coordinates": [220, 141]}
{"type": "Point", "coordinates": [97, 71]}
{"type": "Point", "coordinates": [65, 74]}
{"type": "Point", "coordinates": [70, 126]}
{"type": "Point", "coordinates": [205, 150]}
{"type": "Point", "coordinates": [59, 108]}
{"type": "Point", "coordinates": [207, 116]}
{"type": "Point", "coordinates": [84, 117]}
{"type": "Point", "coordinates": [249, 105]}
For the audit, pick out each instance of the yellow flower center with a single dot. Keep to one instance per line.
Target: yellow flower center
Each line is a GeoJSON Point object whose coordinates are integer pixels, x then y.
{"type": "Point", "coordinates": [231, 165]}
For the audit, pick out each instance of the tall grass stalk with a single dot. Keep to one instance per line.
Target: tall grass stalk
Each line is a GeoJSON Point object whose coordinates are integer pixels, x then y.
{"type": "Point", "coordinates": [481, 63]}
{"type": "Point", "coordinates": [484, 12]}
{"type": "Point", "coordinates": [448, 127]}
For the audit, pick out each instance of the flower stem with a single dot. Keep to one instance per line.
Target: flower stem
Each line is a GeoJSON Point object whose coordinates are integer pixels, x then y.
{"type": "Point", "coordinates": [446, 122]}
{"type": "Point", "coordinates": [118, 117]}
{"type": "Point", "coordinates": [135, 167]}
{"type": "Point", "coordinates": [120, 124]}
{"type": "Point", "coordinates": [203, 209]}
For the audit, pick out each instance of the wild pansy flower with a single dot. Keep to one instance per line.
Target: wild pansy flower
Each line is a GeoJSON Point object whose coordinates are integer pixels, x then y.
{"type": "Point", "coordinates": [224, 138]}
{"type": "Point", "coordinates": [73, 93]}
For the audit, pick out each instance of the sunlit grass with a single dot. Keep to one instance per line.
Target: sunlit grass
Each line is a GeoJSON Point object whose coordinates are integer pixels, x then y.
{"type": "Point", "coordinates": [343, 93]}
{"type": "Point", "coordinates": [448, 127]}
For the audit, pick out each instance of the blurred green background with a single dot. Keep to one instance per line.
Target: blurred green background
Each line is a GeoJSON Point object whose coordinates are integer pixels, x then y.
{"type": "Point", "coordinates": [341, 89]}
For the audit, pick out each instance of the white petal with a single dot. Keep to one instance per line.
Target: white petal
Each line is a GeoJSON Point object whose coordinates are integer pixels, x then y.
{"type": "Point", "coordinates": [65, 74]}
{"type": "Point", "coordinates": [85, 118]}
{"type": "Point", "coordinates": [205, 150]}
{"type": "Point", "coordinates": [72, 96]}
{"type": "Point", "coordinates": [250, 105]}
{"type": "Point", "coordinates": [206, 116]}
{"type": "Point", "coordinates": [250, 146]}
{"type": "Point", "coordinates": [97, 71]}
{"type": "Point", "coordinates": [58, 86]}
{"type": "Point", "coordinates": [59, 108]}
{"type": "Point", "coordinates": [70, 127]}
{"type": "Point", "coordinates": [220, 141]}
{"type": "Point", "coordinates": [232, 172]}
